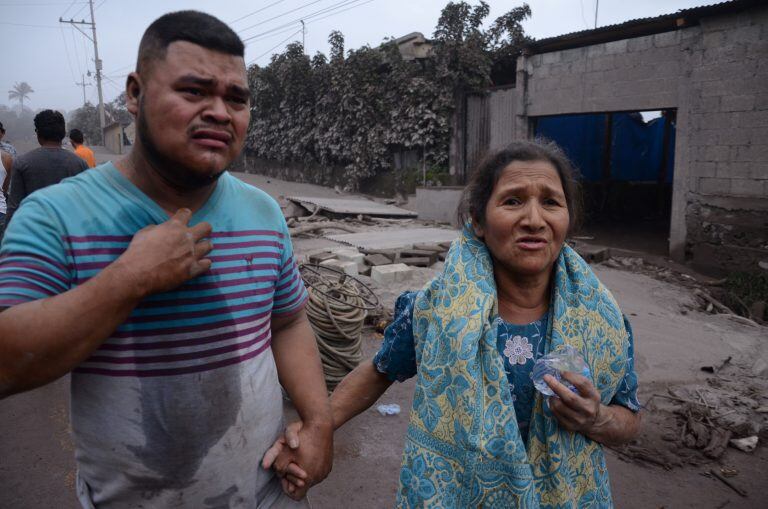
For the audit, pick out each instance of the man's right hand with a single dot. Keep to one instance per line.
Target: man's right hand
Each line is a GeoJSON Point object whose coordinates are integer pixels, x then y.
{"type": "Point", "coordinates": [162, 257]}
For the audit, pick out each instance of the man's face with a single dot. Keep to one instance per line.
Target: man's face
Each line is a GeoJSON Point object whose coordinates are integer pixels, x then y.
{"type": "Point", "coordinates": [192, 113]}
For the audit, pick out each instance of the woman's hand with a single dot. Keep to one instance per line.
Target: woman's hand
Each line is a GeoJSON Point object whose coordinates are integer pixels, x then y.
{"type": "Point", "coordinates": [580, 412]}
{"type": "Point", "coordinates": [583, 413]}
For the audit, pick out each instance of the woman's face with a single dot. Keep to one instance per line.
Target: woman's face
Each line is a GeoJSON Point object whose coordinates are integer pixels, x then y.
{"type": "Point", "coordinates": [526, 218]}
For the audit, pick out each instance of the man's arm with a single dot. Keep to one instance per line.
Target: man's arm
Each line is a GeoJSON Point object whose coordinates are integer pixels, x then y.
{"type": "Point", "coordinates": [301, 374]}
{"type": "Point", "coordinates": [8, 164]}
{"type": "Point", "coordinates": [16, 192]}
{"type": "Point", "coordinates": [43, 340]}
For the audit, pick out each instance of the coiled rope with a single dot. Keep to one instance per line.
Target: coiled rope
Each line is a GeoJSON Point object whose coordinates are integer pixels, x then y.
{"type": "Point", "coordinates": [338, 324]}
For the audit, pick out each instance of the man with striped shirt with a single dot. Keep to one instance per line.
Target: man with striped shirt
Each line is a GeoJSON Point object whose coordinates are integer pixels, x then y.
{"type": "Point", "coordinates": [169, 289]}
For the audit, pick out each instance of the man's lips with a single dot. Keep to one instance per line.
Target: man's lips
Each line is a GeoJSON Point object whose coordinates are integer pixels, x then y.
{"type": "Point", "coordinates": [531, 243]}
{"type": "Point", "coordinates": [212, 138]}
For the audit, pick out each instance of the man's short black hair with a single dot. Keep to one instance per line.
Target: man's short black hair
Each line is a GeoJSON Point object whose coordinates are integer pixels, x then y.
{"type": "Point", "coordinates": [191, 26]}
{"type": "Point", "coordinates": [76, 135]}
{"type": "Point", "coordinates": [49, 125]}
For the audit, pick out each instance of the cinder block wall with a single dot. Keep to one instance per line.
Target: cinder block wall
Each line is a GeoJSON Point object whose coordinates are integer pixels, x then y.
{"type": "Point", "coordinates": [727, 200]}
{"type": "Point", "coordinates": [716, 75]}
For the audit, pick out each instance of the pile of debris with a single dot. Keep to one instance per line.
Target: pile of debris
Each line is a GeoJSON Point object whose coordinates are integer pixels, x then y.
{"type": "Point", "coordinates": [382, 265]}
{"type": "Point", "coordinates": [696, 423]}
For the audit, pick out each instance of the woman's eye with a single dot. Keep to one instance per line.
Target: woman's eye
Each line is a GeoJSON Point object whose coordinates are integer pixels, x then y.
{"type": "Point", "coordinates": [512, 201]}
{"type": "Point", "coordinates": [192, 91]}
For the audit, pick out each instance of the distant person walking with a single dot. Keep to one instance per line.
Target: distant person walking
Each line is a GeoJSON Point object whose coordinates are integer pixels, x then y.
{"type": "Point", "coordinates": [4, 145]}
{"type": "Point", "coordinates": [76, 137]}
{"type": "Point", "coordinates": [44, 166]}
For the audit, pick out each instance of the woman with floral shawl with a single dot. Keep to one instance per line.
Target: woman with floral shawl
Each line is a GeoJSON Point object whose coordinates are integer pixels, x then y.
{"type": "Point", "coordinates": [511, 291]}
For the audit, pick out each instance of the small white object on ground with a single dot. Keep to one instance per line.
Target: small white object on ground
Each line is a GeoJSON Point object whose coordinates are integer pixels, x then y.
{"type": "Point", "coordinates": [392, 409]}
{"type": "Point", "coordinates": [747, 444]}
{"type": "Point", "coordinates": [390, 273]}
{"type": "Point", "coordinates": [351, 255]}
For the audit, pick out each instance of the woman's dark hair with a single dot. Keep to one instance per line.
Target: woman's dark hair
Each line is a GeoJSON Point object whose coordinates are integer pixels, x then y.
{"type": "Point", "coordinates": [487, 172]}
{"type": "Point", "coordinates": [49, 125]}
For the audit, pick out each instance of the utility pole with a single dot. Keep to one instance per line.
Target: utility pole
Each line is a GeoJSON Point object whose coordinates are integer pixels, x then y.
{"type": "Point", "coordinates": [83, 84]}
{"type": "Point", "coordinates": [597, 5]}
{"type": "Point", "coordinates": [303, 37]}
{"type": "Point", "coordinates": [97, 61]}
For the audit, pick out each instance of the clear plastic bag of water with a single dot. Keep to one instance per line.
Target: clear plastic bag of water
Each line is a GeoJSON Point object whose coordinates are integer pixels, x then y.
{"type": "Point", "coordinates": [566, 359]}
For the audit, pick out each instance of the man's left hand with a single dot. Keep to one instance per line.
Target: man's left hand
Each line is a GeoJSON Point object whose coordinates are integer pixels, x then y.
{"type": "Point", "coordinates": [575, 412]}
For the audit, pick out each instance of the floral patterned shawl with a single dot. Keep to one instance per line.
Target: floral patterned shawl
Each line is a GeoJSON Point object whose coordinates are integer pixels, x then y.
{"type": "Point", "coordinates": [463, 448]}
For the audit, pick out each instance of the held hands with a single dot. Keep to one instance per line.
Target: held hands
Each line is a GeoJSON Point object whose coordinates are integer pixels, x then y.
{"type": "Point", "coordinates": [580, 412]}
{"type": "Point", "coordinates": [162, 257]}
{"type": "Point", "coordinates": [311, 447]}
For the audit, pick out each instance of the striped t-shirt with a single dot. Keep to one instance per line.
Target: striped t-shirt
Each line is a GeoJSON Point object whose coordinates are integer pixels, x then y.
{"type": "Point", "coordinates": [178, 405]}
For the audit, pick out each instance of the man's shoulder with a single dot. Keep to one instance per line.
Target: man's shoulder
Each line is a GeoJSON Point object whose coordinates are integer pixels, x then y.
{"type": "Point", "coordinates": [71, 191]}
{"type": "Point", "coordinates": [250, 193]}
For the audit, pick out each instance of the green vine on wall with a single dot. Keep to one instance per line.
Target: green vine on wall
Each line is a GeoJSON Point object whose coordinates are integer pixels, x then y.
{"type": "Point", "coordinates": [356, 109]}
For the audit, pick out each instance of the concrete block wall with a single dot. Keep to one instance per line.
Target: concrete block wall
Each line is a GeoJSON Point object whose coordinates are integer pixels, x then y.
{"type": "Point", "coordinates": [716, 75]}
{"type": "Point", "coordinates": [727, 199]}
{"type": "Point", "coordinates": [630, 74]}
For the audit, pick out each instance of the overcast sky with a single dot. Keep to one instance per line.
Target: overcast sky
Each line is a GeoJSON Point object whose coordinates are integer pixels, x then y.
{"type": "Point", "coordinates": [52, 57]}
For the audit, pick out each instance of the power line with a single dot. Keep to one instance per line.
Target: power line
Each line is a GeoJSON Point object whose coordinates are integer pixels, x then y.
{"type": "Point", "coordinates": [36, 4]}
{"type": "Point", "coordinates": [66, 50]}
{"type": "Point", "coordinates": [27, 25]}
{"type": "Point", "coordinates": [297, 32]}
{"type": "Point", "coordinates": [77, 53]}
{"type": "Point", "coordinates": [256, 11]}
{"type": "Point", "coordinates": [331, 10]}
{"type": "Point", "coordinates": [279, 15]}
{"type": "Point", "coordinates": [343, 10]}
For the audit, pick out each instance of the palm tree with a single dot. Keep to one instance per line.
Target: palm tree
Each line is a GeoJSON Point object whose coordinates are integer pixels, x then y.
{"type": "Point", "coordinates": [20, 92]}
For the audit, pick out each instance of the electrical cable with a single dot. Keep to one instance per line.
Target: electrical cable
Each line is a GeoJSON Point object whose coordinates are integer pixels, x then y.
{"type": "Point", "coordinates": [279, 15]}
{"type": "Point", "coordinates": [275, 47]}
{"type": "Point", "coordinates": [331, 10]}
{"type": "Point", "coordinates": [66, 50]}
{"type": "Point", "coordinates": [256, 11]}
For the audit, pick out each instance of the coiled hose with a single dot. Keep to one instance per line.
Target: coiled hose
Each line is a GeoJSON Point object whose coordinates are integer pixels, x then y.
{"type": "Point", "coordinates": [338, 325]}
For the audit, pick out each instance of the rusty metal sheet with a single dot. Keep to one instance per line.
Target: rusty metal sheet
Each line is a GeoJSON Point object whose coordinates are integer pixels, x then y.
{"type": "Point", "coordinates": [352, 207]}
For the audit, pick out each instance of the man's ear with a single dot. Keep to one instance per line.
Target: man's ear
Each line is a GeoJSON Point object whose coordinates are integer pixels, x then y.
{"type": "Point", "coordinates": [133, 89]}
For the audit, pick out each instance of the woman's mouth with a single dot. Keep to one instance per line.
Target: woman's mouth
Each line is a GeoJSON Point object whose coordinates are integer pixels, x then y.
{"type": "Point", "coordinates": [531, 243]}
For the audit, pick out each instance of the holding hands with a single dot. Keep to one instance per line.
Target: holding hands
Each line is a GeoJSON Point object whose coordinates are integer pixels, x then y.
{"type": "Point", "coordinates": [302, 457]}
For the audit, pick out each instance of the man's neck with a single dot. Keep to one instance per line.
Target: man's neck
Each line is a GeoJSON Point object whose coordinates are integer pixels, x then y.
{"type": "Point", "coordinates": [137, 169]}
{"type": "Point", "coordinates": [50, 144]}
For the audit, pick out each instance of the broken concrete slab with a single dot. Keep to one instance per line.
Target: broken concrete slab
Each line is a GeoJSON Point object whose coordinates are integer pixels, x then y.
{"type": "Point", "coordinates": [593, 254]}
{"type": "Point", "coordinates": [351, 207]}
{"type": "Point", "coordinates": [418, 253]}
{"type": "Point", "coordinates": [347, 267]}
{"type": "Point", "coordinates": [377, 260]}
{"type": "Point", "coordinates": [318, 258]}
{"type": "Point", "coordinates": [395, 272]}
{"type": "Point", "coordinates": [388, 253]}
{"type": "Point", "coordinates": [429, 247]}
{"type": "Point", "coordinates": [402, 238]}
{"type": "Point", "coordinates": [417, 261]}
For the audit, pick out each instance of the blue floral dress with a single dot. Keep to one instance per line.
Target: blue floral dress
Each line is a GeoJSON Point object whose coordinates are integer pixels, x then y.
{"type": "Point", "coordinates": [519, 346]}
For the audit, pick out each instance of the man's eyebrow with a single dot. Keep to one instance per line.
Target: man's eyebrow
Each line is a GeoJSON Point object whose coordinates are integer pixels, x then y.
{"type": "Point", "coordinates": [239, 91]}
{"type": "Point", "coordinates": [196, 80]}
{"type": "Point", "coordinates": [191, 79]}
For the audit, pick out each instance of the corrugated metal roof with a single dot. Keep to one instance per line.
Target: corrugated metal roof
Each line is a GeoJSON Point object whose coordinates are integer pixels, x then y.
{"type": "Point", "coordinates": [639, 27]}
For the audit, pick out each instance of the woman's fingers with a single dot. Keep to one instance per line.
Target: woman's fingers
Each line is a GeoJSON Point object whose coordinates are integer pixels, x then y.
{"type": "Point", "coordinates": [296, 471]}
{"type": "Point", "coordinates": [292, 434]}
{"type": "Point", "coordinates": [583, 384]}
{"type": "Point", "coordinates": [272, 453]}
